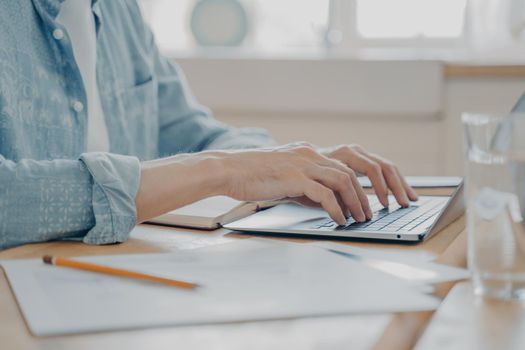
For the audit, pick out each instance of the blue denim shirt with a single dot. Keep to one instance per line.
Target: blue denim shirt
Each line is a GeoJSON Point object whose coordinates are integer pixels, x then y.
{"type": "Point", "coordinates": [50, 188]}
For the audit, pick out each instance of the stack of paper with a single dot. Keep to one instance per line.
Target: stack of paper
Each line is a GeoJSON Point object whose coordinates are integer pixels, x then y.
{"type": "Point", "coordinates": [241, 281]}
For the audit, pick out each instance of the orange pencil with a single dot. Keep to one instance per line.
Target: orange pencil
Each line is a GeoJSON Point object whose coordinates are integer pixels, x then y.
{"type": "Point", "coordinates": [58, 261]}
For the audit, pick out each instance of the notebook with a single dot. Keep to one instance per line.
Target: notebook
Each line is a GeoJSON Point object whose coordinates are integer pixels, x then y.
{"type": "Point", "coordinates": [211, 213]}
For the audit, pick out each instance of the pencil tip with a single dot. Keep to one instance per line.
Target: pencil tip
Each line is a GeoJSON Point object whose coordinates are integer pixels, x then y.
{"type": "Point", "coordinates": [48, 259]}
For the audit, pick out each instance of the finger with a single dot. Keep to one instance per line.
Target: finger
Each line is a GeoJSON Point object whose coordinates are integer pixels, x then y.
{"type": "Point", "coordinates": [392, 176]}
{"type": "Point", "coordinates": [356, 158]}
{"type": "Point", "coordinates": [396, 186]}
{"type": "Point", "coordinates": [339, 182]}
{"type": "Point", "coordinates": [372, 169]}
{"type": "Point", "coordinates": [326, 197]}
{"type": "Point", "coordinates": [359, 159]}
{"type": "Point", "coordinates": [361, 195]}
{"type": "Point", "coordinates": [412, 194]}
{"type": "Point", "coordinates": [393, 181]}
{"type": "Point", "coordinates": [362, 198]}
{"type": "Point", "coordinates": [359, 212]}
{"type": "Point", "coordinates": [343, 206]}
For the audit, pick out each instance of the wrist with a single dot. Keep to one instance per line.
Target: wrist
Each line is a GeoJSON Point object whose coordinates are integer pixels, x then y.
{"type": "Point", "coordinates": [214, 172]}
{"type": "Point", "coordinates": [174, 182]}
{"type": "Point", "coordinates": [224, 165]}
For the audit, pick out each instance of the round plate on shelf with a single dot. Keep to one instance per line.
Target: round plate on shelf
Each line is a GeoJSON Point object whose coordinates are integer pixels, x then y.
{"type": "Point", "coordinates": [219, 22]}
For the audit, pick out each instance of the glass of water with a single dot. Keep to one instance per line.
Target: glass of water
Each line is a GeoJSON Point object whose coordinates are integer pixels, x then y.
{"type": "Point", "coordinates": [495, 197]}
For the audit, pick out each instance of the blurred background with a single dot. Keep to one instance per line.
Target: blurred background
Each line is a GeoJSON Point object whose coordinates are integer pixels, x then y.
{"type": "Point", "coordinates": [391, 75]}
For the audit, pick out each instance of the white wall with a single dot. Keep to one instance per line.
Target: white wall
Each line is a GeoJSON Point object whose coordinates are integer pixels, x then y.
{"type": "Point", "coordinates": [423, 137]}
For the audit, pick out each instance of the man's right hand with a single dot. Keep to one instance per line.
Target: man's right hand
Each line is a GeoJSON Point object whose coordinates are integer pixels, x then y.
{"type": "Point", "coordinates": [299, 172]}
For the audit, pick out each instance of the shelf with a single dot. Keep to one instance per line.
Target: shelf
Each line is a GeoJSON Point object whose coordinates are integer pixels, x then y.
{"type": "Point", "coordinates": [477, 70]}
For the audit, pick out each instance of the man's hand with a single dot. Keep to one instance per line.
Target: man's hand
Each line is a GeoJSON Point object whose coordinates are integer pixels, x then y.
{"type": "Point", "coordinates": [382, 173]}
{"type": "Point", "coordinates": [299, 172]}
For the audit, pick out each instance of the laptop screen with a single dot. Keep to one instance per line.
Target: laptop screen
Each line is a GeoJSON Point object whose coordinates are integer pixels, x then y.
{"type": "Point", "coordinates": [519, 107]}
{"type": "Point", "coordinates": [501, 140]}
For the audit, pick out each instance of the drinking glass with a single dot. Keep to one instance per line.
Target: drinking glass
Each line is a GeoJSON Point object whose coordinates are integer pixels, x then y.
{"type": "Point", "coordinates": [495, 197]}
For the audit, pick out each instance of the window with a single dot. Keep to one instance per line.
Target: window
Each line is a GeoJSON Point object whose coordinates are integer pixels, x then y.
{"type": "Point", "coordinates": [410, 18]}
{"type": "Point", "coordinates": [279, 24]}
{"type": "Point", "coordinates": [168, 20]}
{"type": "Point", "coordinates": [305, 25]}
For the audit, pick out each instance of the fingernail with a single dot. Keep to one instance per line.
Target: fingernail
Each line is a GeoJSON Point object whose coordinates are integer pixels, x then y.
{"type": "Point", "coordinates": [369, 214]}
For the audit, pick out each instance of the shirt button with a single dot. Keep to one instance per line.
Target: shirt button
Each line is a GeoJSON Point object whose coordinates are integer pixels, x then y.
{"type": "Point", "coordinates": [78, 106]}
{"type": "Point", "coordinates": [58, 34]}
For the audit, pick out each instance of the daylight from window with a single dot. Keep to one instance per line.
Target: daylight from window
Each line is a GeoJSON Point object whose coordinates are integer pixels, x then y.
{"type": "Point", "coordinates": [274, 25]}
{"type": "Point", "coordinates": [410, 18]}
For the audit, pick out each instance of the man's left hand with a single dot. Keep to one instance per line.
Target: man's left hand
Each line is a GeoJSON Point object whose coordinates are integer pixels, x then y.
{"type": "Point", "coordinates": [383, 174]}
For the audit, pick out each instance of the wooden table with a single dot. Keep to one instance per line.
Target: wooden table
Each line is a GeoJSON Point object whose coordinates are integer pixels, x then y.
{"type": "Point", "coordinates": [466, 322]}
{"type": "Point", "coordinates": [384, 331]}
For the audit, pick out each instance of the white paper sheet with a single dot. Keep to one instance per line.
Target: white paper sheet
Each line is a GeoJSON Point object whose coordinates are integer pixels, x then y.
{"type": "Point", "coordinates": [393, 254]}
{"type": "Point", "coordinates": [414, 266]}
{"type": "Point", "coordinates": [241, 281]}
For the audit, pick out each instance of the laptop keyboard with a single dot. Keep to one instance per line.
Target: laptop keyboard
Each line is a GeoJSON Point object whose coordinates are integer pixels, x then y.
{"type": "Point", "coordinates": [392, 219]}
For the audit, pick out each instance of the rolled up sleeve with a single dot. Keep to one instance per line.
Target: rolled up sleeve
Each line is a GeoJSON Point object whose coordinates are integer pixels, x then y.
{"type": "Point", "coordinates": [116, 181]}
{"type": "Point", "coordinates": [90, 198]}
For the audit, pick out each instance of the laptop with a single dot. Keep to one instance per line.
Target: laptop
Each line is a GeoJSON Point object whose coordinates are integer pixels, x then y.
{"type": "Point", "coordinates": [418, 222]}
{"type": "Point", "coordinates": [415, 223]}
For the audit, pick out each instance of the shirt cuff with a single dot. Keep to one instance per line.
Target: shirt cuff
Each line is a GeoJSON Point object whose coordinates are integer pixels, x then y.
{"type": "Point", "coordinates": [116, 181]}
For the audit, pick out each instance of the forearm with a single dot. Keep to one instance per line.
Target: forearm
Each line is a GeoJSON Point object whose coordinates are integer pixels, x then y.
{"type": "Point", "coordinates": [173, 182]}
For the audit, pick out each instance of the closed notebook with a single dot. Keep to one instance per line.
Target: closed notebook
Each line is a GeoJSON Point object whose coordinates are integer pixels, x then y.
{"type": "Point", "coordinates": [211, 213]}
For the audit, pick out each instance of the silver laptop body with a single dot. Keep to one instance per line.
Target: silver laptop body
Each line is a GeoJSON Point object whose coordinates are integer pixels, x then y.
{"type": "Point", "coordinates": [415, 223]}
